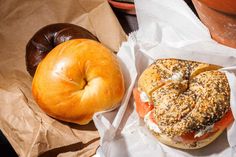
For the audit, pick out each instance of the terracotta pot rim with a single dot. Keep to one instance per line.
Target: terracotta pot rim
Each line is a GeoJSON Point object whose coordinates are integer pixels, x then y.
{"type": "Point", "coordinates": [220, 24]}
{"type": "Point", "coordinates": [224, 6]}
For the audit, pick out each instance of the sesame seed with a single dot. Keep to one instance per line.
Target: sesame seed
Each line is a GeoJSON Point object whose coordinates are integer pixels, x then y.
{"type": "Point", "coordinates": [201, 98]}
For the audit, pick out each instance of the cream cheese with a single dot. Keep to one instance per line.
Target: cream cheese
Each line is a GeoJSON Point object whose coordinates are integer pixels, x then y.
{"type": "Point", "coordinates": [204, 131]}
{"type": "Point", "coordinates": [144, 97]}
{"type": "Point", "coordinates": [150, 124]}
{"type": "Point", "coordinates": [177, 76]}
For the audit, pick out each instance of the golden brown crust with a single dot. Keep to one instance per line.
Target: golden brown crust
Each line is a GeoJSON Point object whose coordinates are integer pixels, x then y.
{"type": "Point", "coordinates": [157, 73]}
{"type": "Point", "coordinates": [187, 95]}
{"type": "Point", "coordinates": [77, 79]}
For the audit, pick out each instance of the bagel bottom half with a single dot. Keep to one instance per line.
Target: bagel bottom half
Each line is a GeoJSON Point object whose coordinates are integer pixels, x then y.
{"type": "Point", "coordinates": [195, 145]}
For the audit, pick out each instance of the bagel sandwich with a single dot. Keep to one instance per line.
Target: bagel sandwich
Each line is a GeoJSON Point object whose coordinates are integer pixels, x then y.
{"type": "Point", "coordinates": [185, 104]}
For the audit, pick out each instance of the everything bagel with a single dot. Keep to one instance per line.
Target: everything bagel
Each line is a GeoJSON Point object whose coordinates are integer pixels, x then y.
{"type": "Point", "coordinates": [185, 104]}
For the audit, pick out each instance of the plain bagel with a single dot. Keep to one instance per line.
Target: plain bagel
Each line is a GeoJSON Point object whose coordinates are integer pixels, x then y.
{"type": "Point", "coordinates": [76, 79]}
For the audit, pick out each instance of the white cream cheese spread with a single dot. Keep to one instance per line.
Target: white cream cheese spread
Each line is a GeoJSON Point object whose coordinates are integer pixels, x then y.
{"type": "Point", "coordinates": [144, 97]}
{"type": "Point", "coordinates": [204, 131]}
{"type": "Point", "coordinates": [151, 125]}
{"type": "Point", "coordinates": [177, 76]}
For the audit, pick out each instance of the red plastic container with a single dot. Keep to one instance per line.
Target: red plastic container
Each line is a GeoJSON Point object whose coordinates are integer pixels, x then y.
{"type": "Point", "coordinates": [125, 7]}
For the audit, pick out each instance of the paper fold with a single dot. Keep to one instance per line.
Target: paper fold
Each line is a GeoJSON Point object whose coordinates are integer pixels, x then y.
{"type": "Point", "coordinates": [167, 29]}
{"type": "Point", "coordinates": [29, 130]}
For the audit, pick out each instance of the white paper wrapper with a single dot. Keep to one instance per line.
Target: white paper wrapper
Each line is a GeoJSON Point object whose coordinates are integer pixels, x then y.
{"type": "Point", "coordinates": [167, 29]}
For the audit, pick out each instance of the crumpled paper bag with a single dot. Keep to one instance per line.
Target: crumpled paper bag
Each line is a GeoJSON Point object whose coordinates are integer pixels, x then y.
{"type": "Point", "coordinates": [29, 130]}
{"type": "Point", "coordinates": [167, 29]}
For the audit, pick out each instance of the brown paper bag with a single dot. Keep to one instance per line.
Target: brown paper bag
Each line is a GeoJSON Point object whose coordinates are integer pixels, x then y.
{"type": "Point", "coordinates": [30, 131]}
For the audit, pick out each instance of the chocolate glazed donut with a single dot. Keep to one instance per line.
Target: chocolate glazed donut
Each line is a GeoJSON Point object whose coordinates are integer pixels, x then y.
{"type": "Point", "coordinates": [48, 37]}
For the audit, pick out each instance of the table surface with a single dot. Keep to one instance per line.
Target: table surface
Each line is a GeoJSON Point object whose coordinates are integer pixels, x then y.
{"type": "Point", "coordinates": [128, 22]}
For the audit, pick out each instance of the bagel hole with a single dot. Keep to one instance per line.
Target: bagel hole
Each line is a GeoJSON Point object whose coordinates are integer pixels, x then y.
{"type": "Point", "coordinates": [85, 83]}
